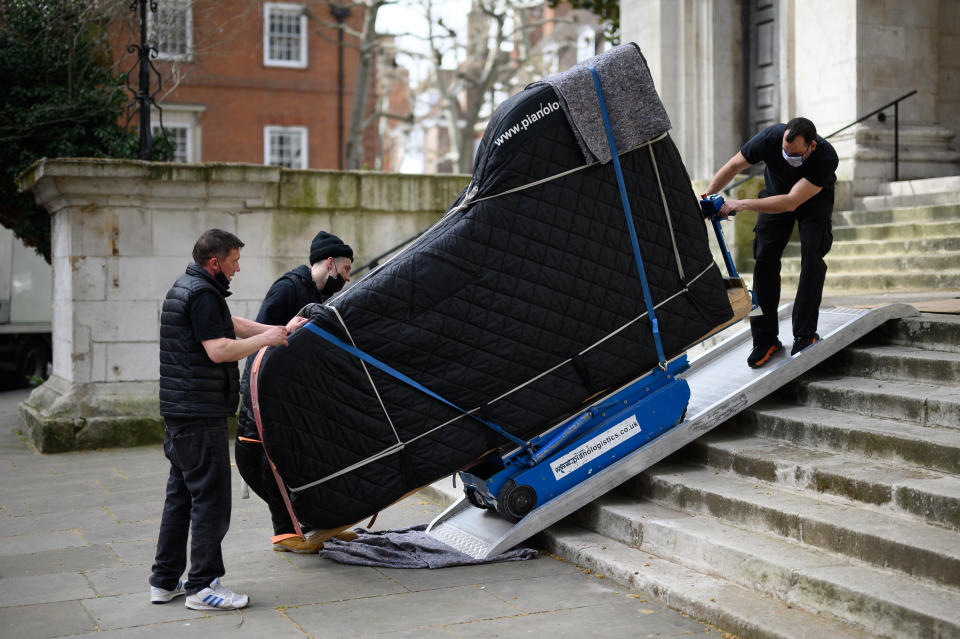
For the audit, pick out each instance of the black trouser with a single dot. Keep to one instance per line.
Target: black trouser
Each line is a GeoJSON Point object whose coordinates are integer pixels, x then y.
{"type": "Point", "coordinates": [771, 235]}
{"type": "Point", "coordinates": [255, 470]}
{"type": "Point", "coordinates": [198, 500]}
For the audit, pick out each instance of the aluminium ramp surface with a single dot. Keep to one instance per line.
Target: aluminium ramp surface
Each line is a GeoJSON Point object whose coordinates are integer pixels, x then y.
{"type": "Point", "coordinates": [721, 385]}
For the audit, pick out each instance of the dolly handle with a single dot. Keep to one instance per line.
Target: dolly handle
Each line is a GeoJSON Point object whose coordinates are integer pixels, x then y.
{"type": "Point", "coordinates": [711, 208]}
{"type": "Point", "coordinates": [565, 434]}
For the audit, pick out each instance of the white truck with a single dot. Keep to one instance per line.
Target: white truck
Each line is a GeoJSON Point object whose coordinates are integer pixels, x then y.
{"type": "Point", "coordinates": [26, 312]}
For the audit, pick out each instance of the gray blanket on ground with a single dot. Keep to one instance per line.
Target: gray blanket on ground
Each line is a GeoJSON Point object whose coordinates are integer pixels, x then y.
{"type": "Point", "coordinates": [407, 548]}
{"type": "Point", "coordinates": [635, 110]}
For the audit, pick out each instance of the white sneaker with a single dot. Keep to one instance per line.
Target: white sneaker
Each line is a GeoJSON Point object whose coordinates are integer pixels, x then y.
{"type": "Point", "coordinates": [216, 597]}
{"type": "Point", "coordinates": [162, 595]}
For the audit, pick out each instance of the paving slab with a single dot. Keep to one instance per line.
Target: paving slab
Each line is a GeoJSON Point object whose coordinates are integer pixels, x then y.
{"type": "Point", "coordinates": [78, 535]}
{"type": "Point", "coordinates": [117, 531]}
{"type": "Point", "coordinates": [134, 609]}
{"type": "Point", "coordinates": [42, 621]}
{"type": "Point", "coordinates": [41, 541]}
{"type": "Point", "coordinates": [116, 580]}
{"type": "Point", "coordinates": [19, 591]}
{"type": "Point", "coordinates": [11, 526]}
{"type": "Point", "coordinates": [488, 574]}
{"type": "Point", "coordinates": [232, 625]}
{"type": "Point", "coordinates": [47, 562]}
{"type": "Point", "coordinates": [404, 611]}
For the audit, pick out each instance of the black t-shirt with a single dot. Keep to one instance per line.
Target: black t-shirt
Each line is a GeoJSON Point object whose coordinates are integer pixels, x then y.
{"type": "Point", "coordinates": [207, 317]}
{"type": "Point", "coordinates": [767, 146]}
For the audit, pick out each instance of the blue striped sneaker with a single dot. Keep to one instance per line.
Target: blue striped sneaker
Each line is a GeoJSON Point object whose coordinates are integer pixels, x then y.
{"type": "Point", "coordinates": [162, 595]}
{"type": "Point", "coordinates": [216, 597]}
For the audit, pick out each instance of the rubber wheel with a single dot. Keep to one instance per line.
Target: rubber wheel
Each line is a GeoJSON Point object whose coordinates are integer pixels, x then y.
{"type": "Point", "coordinates": [516, 501]}
{"type": "Point", "coordinates": [475, 498]}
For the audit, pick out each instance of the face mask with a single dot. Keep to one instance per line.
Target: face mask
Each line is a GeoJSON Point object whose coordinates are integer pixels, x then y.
{"type": "Point", "coordinates": [222, 279]}
{"type": "Point", "coordinates": [792, 160]}
{"type": "Point", "coordinates": [333, 285]}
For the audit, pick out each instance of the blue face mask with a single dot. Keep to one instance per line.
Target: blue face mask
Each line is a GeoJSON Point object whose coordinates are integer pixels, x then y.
{"type": "Point", "coordinates": [793, 160]}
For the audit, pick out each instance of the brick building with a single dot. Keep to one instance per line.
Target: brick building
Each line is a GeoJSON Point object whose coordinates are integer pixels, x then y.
{"type": "Point", "coordinates": [248, 81]}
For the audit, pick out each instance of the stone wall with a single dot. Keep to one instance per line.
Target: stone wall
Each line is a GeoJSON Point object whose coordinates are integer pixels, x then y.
{"type": "Point", "coordinates": [122, 231]}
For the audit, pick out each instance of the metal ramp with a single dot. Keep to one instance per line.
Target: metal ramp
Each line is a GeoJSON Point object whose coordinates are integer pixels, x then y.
{"type": "Point", "coordinates": [721, 386]}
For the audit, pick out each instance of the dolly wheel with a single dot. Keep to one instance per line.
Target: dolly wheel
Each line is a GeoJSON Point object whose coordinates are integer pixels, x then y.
{"type": "Point", "coordinates": [516, 501]}
{"type": "Point", "coordinates": [475, 498]}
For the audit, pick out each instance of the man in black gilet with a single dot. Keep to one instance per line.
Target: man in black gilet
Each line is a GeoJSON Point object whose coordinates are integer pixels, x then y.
{"type": "Point", "coordinates": [200, 345]}
{"type": "Point", "coordinates": [800, 175]}
{"type": "Point", "coordinates": [330, 264]}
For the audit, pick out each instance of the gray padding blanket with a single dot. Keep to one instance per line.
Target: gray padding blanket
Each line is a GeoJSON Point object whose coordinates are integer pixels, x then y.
{"type": "Point", "coordinates": [407, 548]}
{"type": "Point", "coordinates": [636, 113]}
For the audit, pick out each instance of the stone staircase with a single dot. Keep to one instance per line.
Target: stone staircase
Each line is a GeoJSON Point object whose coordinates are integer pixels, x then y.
{"type": "Point", "coordinates": [907, 238]}
{"type": "Point", "coordinates": [830, 509]}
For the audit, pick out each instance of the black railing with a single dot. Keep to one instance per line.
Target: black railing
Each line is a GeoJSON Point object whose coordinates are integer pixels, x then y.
{"type": "Point", "coordinates": [881, 116]}
{"type": "Point", "coordinates": [896, 128]}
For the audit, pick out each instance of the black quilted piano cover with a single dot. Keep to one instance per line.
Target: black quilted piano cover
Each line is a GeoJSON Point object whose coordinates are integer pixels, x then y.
{"type": "Point", "coordinates": [520, 304]}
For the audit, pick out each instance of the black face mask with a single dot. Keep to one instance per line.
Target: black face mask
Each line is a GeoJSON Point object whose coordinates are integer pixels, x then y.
{"type": "Point", "coordinates": [333, 285]}
{"type": "Point", "coordinates": [220, 277]}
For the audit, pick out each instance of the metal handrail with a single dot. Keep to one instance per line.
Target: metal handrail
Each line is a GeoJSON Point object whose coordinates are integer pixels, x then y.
{"type": "Point", "coordinates": [882, 117]}
{"type": "Point", "coordinates": [896, 128]}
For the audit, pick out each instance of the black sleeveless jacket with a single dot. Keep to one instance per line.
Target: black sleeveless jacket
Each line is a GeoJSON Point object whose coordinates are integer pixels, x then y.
{"type": "Point", "coordinates": [191, 384]}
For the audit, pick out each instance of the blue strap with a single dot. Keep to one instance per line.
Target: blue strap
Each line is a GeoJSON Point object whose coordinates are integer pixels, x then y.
{"type": "Point", "coordinates": [356, 352]}
{"type": "Point", "coordinates": [647, 298]}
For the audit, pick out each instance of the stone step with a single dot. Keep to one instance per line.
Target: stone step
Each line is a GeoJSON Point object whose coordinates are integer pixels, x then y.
{"type": "Point", "coordinates": [887, 202]}
{"type": "Point", "coordinates": [890, 247]}
{"type": "Point", "coordinates": [936, 331]}
{"type": "Point", "coordinates": [889, 194]}
{"type": "Point", "coordinates": [937, 449]}
{"type": "Point", "coordinates": [901, 263]}
{"type": "Point", "coordinates": [894, 361]}
{"type": "Point", "coordinates": [930, 495]}
{"type": "Point", "coordinates": [736, 609]}
{"type": "Point", "coordinates": [730, 607]}
{"type": "Point", "coordinates": [926, 185]}
{"type": "Point", "coordinates": [888, 281]}
{"type": "Point", "coordinates": [881, 601]}
{"type": "Point", "coordinates": [821, 521]}
{"type": "Point", "coordinates": [947, 210]}
{"type": "Point", "coordinates": [897, 231]}
{"type": "Point", "coordinates": [920, 403]}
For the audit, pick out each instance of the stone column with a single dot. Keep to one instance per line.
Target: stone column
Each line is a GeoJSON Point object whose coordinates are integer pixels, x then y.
{"type": "Point", "coordinates": [693, 50]}
{"type": "Point", "coordinates": [869, 55]}
{"type": "Point", "coordinates": [122, 233]}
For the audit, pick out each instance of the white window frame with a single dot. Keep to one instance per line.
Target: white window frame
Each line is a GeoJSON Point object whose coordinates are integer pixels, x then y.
{"type": "Point", "coordinates": [187, 152]}
{"type": "Point", "coordinates": [300, 131]}
{"type": "Point", "coordinates": [268, 9]}
{"type": "Point", "coordinates": [182, 116]}
{"type": "Point", "coordinates": [187, 7]}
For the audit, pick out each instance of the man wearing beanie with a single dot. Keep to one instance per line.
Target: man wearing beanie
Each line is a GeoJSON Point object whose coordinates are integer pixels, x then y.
{"type": "Point", "coordinates": [330, 264]}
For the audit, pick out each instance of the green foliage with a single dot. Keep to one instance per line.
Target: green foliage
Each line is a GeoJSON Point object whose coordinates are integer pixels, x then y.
{"type": "Point", "coordinates": [60, 98]}
{"type": "Point", "coordinates": [608, 10]}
